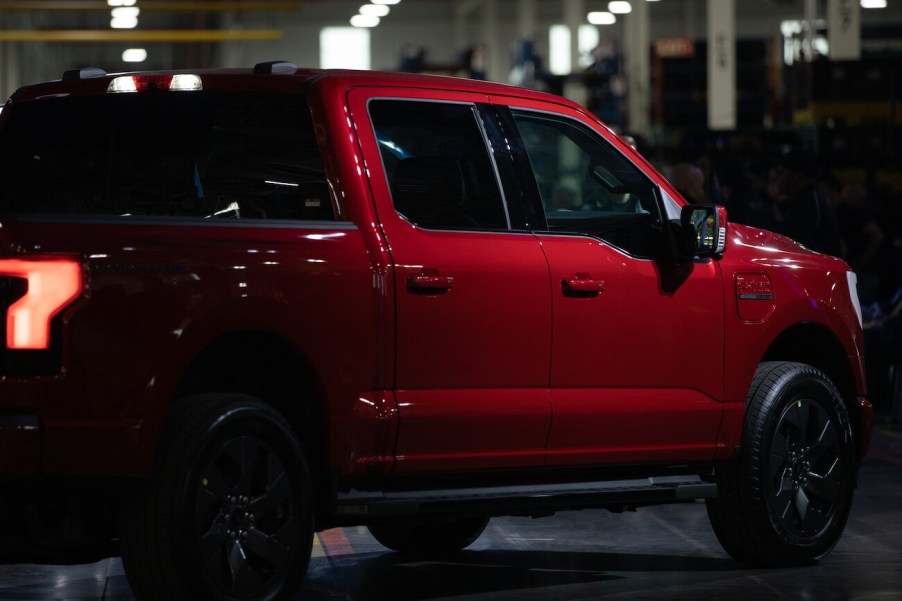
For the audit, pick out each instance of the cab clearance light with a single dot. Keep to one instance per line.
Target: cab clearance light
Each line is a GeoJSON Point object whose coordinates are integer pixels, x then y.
{"type": "Point", "coordinates": [52, 285]}
{"type": "Point", "coordinates": [181, 82]}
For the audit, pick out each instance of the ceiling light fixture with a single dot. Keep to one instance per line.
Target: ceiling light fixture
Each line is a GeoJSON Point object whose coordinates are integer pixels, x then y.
{"type": "Point", "coordinates": [873, 3]}
{"type": "Point", "coordinates": [134, 55]}
{"type": "Point", "coordinates": [602, 18]}
{"type": "Point", "coordinates": [620, 7]}
{"type": "Point", "coordinates": [125, 17]}
{"type": "Point", "coordinates": [390, 2]}
{"type": "Point", "coordinates": [375, 10]}
{"type": "Point", "coordinates": [364, 21]}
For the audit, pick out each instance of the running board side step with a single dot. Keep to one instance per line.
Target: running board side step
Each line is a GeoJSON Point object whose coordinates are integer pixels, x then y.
{"type": "Point", "coordinates": [501, 500]}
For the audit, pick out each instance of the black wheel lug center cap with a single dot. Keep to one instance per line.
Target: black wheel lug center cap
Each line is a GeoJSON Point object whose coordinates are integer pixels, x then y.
{"type": "Point", "coordinates": [237, 516]}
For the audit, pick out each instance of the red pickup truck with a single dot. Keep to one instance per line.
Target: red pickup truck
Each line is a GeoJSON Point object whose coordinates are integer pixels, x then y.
{"type": "Point", "coordinates": [242, 306]}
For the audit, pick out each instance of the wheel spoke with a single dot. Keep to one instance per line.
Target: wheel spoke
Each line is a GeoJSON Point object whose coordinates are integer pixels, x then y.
{"type": "Point", "coordinates": [206, 502]}
{"type": "Point", "coordinates": [211, 547]}
{"type": "Point", "coordinates": [250, 451]}
{"type": "Point", "coordinates": [798, 417]}
{"type": "Point", "coordinates": [814, 520]}
{"type": "Point", "coordinates": [826, 441]}
{"type": "Point", "coordinates": [245, 581]}
{"type": "Point", "coordinates": [821, 487]}
{"type": "Point", "coordinates": [777, 468]}
{"type": "Point", "coordinates": [783, 502]}
{"type": "Point", "coordinates": [267, 548]}
{"type": "Point", "coordinates": [801, 504]}
{"type": "Point", "coordinates": [278, 492]}
{"type": "Point", "coordinates": [241, 453]}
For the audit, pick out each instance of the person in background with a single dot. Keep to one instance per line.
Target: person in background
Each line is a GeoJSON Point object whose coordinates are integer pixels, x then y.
{"type": "Point", "coordinates": [689, 181]}
{"type": "Point", "coordinates": [801, 209]}
{"type": "Point", "coordinates": [744, 195]}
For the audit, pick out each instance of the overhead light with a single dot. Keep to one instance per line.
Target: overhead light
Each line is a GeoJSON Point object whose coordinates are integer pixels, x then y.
{"type": "Point", "coordinates": [126, 12]}
{"type": "Point", "coordinates": [374, 10]}
{"type": "Point", "coordinates": [620, 7]}
{"type": "Point", "coordinates": [124, 22]}
{"type": "Point", "coordinates": [134, 55]}
{"type": "Point", "coordinates": [364, 21]}
{"type": "Point", "coordinates": [121, 2]}
{"type": "Point", "coordinates": [390, 2]}
{"type": "Point", "coordinates": [125, 17]}
{"type": "Point", "coordinates": [602, 18]}
{"type": "Point", "coordinates": [873, 3]}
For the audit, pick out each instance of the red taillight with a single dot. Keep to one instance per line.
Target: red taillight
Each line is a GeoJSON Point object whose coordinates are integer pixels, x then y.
{"type": "Point", "coordinates": [147, 82]}
{"type": "Point", "coordinates": [52, 285]}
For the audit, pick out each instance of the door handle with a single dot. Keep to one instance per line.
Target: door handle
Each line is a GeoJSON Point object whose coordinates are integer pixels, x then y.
{"type": "Point", "coordinates": [429, 283]}
{"type": "Point", "coordinates": [582, 286]}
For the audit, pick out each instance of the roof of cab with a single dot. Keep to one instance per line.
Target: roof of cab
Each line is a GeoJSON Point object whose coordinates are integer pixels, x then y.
{"type": "Point", "coordinates": [284, 77]}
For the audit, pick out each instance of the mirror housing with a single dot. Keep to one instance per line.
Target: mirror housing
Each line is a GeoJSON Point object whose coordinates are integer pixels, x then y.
{"type": "Point", "coordinates": [705, 229]}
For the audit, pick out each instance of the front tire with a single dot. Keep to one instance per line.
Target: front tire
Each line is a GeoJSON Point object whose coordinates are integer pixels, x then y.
{"type": "Point", "coordinates": [424, 536]}
{"type": "Point", "coordinates": [786, 498]}
{"type": "Point", "coordinates": [228, 512]}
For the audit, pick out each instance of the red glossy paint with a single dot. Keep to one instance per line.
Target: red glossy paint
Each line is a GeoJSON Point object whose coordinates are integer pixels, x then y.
{"type": "Point", "coordinates": [430, 351]}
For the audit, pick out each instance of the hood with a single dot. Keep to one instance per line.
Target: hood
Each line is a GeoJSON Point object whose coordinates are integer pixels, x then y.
{"type": "Point", "coordinates": [765, 247]}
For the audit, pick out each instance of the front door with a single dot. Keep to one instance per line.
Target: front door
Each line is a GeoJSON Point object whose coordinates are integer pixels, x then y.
{"type": "Point", "coordinates": [637, 350]}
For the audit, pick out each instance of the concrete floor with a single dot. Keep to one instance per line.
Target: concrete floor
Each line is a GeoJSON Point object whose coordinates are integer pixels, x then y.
{"type": "Point", "coordinates": [666, 552]}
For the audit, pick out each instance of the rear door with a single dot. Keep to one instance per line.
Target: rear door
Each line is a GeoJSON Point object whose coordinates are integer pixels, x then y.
{"type": "Point", "coordinates": [473, 299]}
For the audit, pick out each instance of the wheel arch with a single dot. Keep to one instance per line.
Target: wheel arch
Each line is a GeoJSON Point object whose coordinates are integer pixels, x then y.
{"type": "Point", "coordinates": [272, 369]}
{"type": "Point", "coordinates": [814, 344]}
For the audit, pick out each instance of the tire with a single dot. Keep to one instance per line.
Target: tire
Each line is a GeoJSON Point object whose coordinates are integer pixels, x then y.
{"type": "Point", "coordinates": [228, 512]}
{"type": "Point", "coordinates": [785, 499]}
{"type": "Point", "coordinates": [424, 536]}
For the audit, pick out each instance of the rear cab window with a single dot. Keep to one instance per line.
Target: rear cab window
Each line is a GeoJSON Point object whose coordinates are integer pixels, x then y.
{"type": "Point", "coordinates": [203, 155]}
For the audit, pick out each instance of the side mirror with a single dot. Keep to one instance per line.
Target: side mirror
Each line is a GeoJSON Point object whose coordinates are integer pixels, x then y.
{"type": "Point", "coordinates": [705, 228]}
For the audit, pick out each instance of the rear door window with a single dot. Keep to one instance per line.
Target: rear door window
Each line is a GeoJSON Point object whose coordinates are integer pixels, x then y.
{"type": "Point", "coordinates": [438, 166]}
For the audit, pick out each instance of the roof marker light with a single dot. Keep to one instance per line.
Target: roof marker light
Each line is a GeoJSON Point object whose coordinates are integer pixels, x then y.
{"type": "Point", "coordinates": [182, 82]}
{"type": "Point", "coordinates": [52, 285]}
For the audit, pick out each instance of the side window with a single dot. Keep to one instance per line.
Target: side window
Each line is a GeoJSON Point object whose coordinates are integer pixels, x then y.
{"type": "Point", "coordinates": [587, 186]}
{"type": "Point", "coordinates": [437, 165]}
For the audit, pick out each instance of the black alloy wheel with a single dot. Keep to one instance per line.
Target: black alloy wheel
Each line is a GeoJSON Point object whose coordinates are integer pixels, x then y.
{"type": "Point", "coordinates": [246, 517]}
{"type": "Point", "coordinates": [786, 497]}
{"type": "Point", "coordinates": [805, 468]}
{"type": "Point", "coordinates": [228, 514]}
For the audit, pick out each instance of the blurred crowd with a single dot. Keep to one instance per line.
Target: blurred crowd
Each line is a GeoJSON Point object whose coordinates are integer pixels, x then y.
{"type": "Point", "coordinates": [795, 197]}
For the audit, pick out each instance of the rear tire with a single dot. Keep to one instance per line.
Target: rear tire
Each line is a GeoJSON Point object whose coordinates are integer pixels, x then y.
{"type": "Point", "coordinates": [785, 499]}
{"type": "Point", "coordinates": [228, 513]}
{"type": "Point", "coordinates": [423, 536]}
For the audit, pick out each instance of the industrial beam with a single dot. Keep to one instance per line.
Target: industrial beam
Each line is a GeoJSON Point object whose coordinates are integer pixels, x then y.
{"type": "Point", "coordinates": [145, 35]}
{"type": "Point", "coordinates": [160, 5]}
